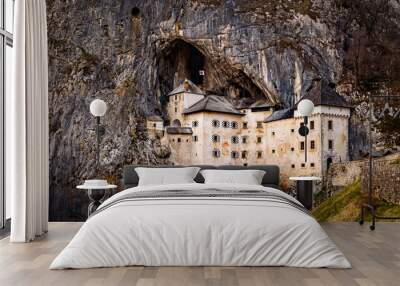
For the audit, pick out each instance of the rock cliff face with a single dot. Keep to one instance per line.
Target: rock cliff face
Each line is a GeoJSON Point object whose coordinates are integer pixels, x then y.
{"type": "Point", "coordinates": [131, 53]}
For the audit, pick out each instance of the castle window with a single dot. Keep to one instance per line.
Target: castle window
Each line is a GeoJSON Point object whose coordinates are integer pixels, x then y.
{"type": "Point", "coordinates": [176, 109]}
{"type": "Point", "coordinates": [330, 124]}
{"type": "Point", "coordinates": [195, 123]}
{"type": "Point", "coordinates": [312, 165]}
{"type": "Point", "coordinates": [330, 144]}
{"type": "Point", "coordinates": [179, 140]}
{"type": "Point", "coordinates": [244, 125]}
{"type": "Point", "coordinates": [216, 153]}
{"type": "Point", "coordinates": [245, 164]}
{"type": "Point", "coordinates": [292, 130]}
{"type": "Point", "coordinates": [273, 133]}
{"type": "Point", "coordinates": [244, 154]}
{"type": "Point", "coordinates": [235, 139]}
{"type": "Point", "coordinates": [259, 124]}
{"type": "Point", "coordinates": [244, 139]}
{"type": "Point", "coordinates": [293, 166]}
{"type": "Point", "coordinates": [215, 138]}
{"type": "Point", "coordinates": [259, 154]}
{"type": "Point", "coordinates": [302, 146]}
{"type": "Point", "coordinates": [303, 165]}
{"type": "Point", "coordinates": [234, 125]}
{"type": "Point", "coordinates": [292, 149]}
{"type": "Point", "coordinates": [176, 97]}
{"type": "Point", "coordinates": [312, 144]}
{"type": "Point", "coordinates": [273, 151]}
{"type": "Point", "coordinates": [234, 154]}
{"type": "Point", "coordinates": [225, 124]}
{"type": "Point", "coordinates": [154, 125]}
{"type": "Point", "coordinates": [215, 123]}
{"type": "Point", "coordinates": [259, 139]}
{"type": "Point", "coordinates": [311, 124]}
{"type": "Point", "coordinates": [195, 138]}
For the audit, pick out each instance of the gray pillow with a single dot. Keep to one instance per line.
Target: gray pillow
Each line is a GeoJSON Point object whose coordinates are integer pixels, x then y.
{"type": "Point", "coordinates": [166, 176]}
{"type": "Point", "coordinates": [248, 177]}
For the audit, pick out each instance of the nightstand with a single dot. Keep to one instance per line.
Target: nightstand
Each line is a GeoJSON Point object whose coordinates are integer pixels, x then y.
{"type": "Point", "coordinates": [304, 187]}
{"type": "Point", "coordinates": [97, 195]}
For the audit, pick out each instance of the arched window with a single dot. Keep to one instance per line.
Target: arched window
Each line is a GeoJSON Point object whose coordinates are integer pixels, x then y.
{"type": "Point", "coordinates": [225, 124]}
{"type": "Point", "coordinates": [215, 123]}
{"type": "Point", "coordinates": [195, 123]}
{"type": "Point", "coordinates": [216, 153]}
{"type": "Point", "coordinates": [234, 154]}
{"type": "Point", "coordinates": [215, 138]}
{"type": "Point", "coordinates": [235, 139]}
{"type": "Point", "coordinates": [328, 163]}
{"type": "Point", "coordinates": [234, 125]}
{"type": "Point", "coordinates": [176, 123]}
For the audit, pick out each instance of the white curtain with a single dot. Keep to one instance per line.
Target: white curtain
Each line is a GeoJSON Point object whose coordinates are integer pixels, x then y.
{"type": "Point", "coordinates": [28, 157]}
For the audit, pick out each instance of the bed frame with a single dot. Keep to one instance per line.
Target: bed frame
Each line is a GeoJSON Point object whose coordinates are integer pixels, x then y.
{"type": "Point", "coordinates": [130, 178]}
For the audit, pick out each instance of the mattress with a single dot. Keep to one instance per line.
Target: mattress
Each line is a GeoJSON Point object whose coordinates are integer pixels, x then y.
{"type": "Point", "coordinates": [201, 225]}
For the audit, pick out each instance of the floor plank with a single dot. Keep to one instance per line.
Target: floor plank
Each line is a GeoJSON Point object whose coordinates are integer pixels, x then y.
{"type": "Point", "coordinates": [375, 257]}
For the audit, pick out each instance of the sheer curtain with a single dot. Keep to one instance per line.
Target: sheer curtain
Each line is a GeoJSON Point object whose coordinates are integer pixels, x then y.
{"type": "Point", "coordinates": [28, 157]}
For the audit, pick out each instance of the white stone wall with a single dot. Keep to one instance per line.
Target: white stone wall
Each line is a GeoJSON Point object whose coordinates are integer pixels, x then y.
{"type": "Point", "coordinates": [280, 142]}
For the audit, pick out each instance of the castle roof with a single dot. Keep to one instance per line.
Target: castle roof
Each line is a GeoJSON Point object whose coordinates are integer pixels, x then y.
{"type": "Point", "coordinates": [213, 103]}
{"type": "Point", "coordinates": [154, 118]}
{"type": "Point", "coordinates": [179, 130]}
{"type": "Point", "coordinates": [280, 114]}
{"type": "Point", "coordinates": [321, 93]}
{"type": "Point", "coordinates": [258, 105]}
{"type": "Point", "coordinates": [187, 86]}
{"type": "Point", "coordinates": [261, 104]}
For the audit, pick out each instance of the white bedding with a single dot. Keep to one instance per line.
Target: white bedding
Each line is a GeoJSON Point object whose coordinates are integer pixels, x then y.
{"type": "Point", "coordinates": [200, 231]}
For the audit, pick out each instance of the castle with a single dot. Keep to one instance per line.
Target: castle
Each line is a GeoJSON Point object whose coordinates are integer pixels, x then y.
{"type": "Point", "coordinates": [209, 130]}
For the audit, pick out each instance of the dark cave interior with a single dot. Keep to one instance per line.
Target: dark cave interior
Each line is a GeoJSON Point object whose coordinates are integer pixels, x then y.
{"type": "Point", "coordinates": [180, 60]}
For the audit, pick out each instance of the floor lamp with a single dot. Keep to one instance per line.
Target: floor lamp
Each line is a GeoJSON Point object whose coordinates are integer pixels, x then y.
{"type": "Point", "coordinates": [369, 206]}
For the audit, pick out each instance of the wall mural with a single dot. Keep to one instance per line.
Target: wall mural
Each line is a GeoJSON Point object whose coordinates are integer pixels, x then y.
{"type": "Point", "coordinates": [214, 82]}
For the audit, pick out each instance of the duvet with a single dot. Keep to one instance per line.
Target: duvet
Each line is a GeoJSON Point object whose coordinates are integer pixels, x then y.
{"type": "Point", "coordinates": [203, 225]}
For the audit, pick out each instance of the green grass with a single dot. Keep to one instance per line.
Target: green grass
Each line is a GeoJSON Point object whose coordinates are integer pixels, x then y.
{"type": "Point", "coordinates": [345, 206]}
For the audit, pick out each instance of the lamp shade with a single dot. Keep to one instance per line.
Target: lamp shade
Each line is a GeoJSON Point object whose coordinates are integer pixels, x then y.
{"type": "Point", "coordinates": [98, 107]}
{"type": "Point", "coordinates": [305, 107]}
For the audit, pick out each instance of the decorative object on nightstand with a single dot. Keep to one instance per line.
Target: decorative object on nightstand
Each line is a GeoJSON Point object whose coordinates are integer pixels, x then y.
{"type": "Point", "coordinates": [304, 186]}
{"type": "Point", "coordinates": [97, 192]}
{"type": "Point", "coordinates": [305, 108]}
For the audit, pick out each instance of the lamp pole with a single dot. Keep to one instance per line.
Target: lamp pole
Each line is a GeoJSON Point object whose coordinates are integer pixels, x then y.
{"type": "Point", "coordinates": [98, 143]}
{"type": "Point", "coordinates": [305, 108]}
{"type": "Point", "coordinates": [98, 108]}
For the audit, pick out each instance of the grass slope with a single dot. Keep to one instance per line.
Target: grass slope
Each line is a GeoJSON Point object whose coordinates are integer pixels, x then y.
{"type": "Point", "coordinates": [345, 206]}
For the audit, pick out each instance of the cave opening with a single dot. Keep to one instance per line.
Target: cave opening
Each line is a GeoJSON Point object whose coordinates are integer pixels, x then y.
{"type": "Point", "coordinates": [135, 12]}
{"type": "Point", "coordinates": [179, 60]}
{"type": "Point", "coordinates": [183, 61]}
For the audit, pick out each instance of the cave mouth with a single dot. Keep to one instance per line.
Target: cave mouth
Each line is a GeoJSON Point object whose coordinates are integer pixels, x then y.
{"type": "Point", "coordinates": [135, 12]}
{"type": "Point", "coordinates": [180, 60]}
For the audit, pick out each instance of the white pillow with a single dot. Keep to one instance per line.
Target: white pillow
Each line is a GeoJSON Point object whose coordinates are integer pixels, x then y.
{"type": "Point", "coordinates": [248, 177]}
{"type": "Point", "coordinates": [166, 176]}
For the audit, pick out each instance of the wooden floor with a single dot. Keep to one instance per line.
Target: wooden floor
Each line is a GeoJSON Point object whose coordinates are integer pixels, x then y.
{"type": "Point", "coordinates": [375, 257]}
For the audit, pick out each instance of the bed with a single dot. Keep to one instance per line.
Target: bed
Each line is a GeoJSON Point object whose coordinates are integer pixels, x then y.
{"type": "Point", "coordinates": [201, 224]}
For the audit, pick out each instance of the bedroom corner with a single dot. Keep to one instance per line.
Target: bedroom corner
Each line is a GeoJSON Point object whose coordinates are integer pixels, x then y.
{"type": "Point", "coordinates": [199, 142]}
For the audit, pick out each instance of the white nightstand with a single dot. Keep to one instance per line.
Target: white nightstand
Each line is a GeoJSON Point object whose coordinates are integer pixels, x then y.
{"type": "Point", "coordinates": [304, 190]}
{"type": "Point", "coordinates": [97, 195]}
